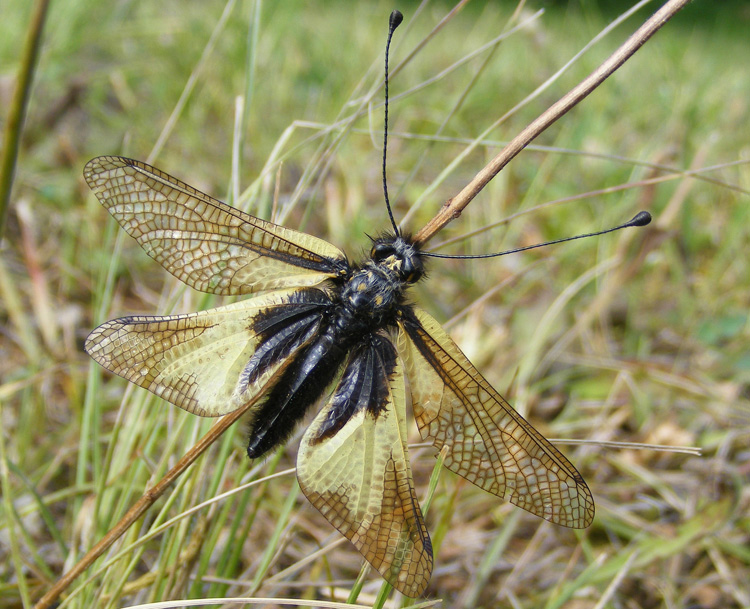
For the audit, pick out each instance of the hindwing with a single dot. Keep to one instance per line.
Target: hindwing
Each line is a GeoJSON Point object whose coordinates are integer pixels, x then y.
{"type": "Point", "coordinates": [488, 442]}
{"type": "Point", "coordinates": [353, 466]}
{"type": "Point", "coordinates": [208, 244]}
{"type": "Point", "coordinates": [213, 362]}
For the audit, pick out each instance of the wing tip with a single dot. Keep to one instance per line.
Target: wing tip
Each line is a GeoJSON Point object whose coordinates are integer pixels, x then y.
{"type": "Point", "coordinates": [98, 165]}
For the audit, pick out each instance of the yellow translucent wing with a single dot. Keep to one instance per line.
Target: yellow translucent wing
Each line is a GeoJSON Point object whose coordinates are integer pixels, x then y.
{"type": "Point", "coordinates": [195, 361]}
{"type": "Point", "coordinates": [490, 444]}
{"type": "Point", "coordinates": [360, 480]}
{"type": "Point", "coordinates": [209, 245]}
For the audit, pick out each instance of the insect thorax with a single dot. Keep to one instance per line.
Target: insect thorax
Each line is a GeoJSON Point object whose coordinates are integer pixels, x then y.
{"type": "Point", "coordinates": [374, 293]}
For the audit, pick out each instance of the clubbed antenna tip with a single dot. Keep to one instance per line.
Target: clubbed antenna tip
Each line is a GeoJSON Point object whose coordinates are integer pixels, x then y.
{"type": "Point", "coordinates": [641, 219]}
{"type": "Point", "coordinates": [395, 20]}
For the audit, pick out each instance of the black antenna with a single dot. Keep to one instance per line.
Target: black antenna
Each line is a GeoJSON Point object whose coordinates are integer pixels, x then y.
{"type": "Point", "coordinates": [642, 218]}
{"type": "Point", "coordinates": [393, 22]}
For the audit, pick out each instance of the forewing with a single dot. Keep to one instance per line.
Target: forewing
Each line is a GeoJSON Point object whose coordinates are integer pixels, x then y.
{"type": "Point", "coordinates": [200, 361]}
{"type": "Point", "coordinates": [209, 245]}
{"type": "Point", "coordinates": [489, 443]}
{"type": "Point", "coordinates": [355, 470]}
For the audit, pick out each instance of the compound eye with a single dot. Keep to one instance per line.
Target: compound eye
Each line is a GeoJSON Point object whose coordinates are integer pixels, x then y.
{"type": "Point", "coordinates": [411, 270]}
{"type": "Point", "coordinates": [381, 251]}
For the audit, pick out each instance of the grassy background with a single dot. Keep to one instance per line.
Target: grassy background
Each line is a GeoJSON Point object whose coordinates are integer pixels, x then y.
{"type": "Point", "coordinates": [637, 337]}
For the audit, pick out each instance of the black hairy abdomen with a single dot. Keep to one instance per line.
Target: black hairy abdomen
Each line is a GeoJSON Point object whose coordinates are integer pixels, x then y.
{"type": "Point", "coordinates": [298, 388]}
{"type": "Point", "coordinates": [344, 326]}
{"type": "Point", "coordinates": [365, 384]}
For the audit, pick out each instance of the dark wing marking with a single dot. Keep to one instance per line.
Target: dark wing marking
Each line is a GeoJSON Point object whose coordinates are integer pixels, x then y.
{"type": "Point", "coordinates": [203, 362]}
{"type": "Point", "coordinates": [490, 444]}
{"type": "Point", "coordinates": [209, 245]}
{"type": "Point", "coordinates": [353, 466]}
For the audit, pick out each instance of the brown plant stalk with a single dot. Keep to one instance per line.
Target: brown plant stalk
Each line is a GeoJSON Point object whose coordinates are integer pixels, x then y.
{"type": "Point", "coordinates": [146, 500]}
{"type": "Point", "coordinates": [453, 207]}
